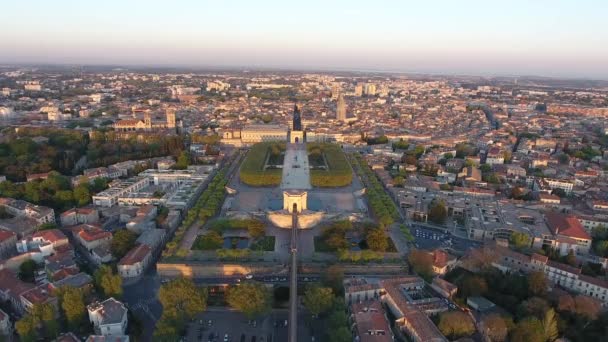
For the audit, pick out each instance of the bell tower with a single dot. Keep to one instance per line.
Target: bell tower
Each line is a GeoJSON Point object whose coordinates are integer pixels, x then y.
{"type": "Point", "coordinates": [170, 118]}
{"type": "Point", "coordinates": [148, 120]}
{"type": "Point", "coordinates": [296, 135]}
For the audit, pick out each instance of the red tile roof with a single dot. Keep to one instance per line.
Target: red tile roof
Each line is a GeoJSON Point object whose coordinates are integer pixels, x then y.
{"type": "Point", "coordinates": [51, 235]}
{"type": "Point", "coordinates": [38, 295]}
{"type": "Point", "coordinates": [566, 225]}
{"type": "Point", "coordinates": [90, 232]}
{"type": "Point", "coordinates": [5, 235]}
{"type": "Point", "coordinates": [135, 255]}
{"type": "Point", "coordinates": [10, 284]}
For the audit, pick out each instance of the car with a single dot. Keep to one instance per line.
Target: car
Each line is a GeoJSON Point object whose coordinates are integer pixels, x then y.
{"type": "Point", "coordinates": [255, 323]}
{"type": "Point", "coordinates": [242, 337]}
{"type": "Point", "coordinates": [285, 323]}
{"type": "Point", "coordinates": [249, 276]}
{"type": "Point", "coordinates": [200, 321]}
{"type": "Point", "coordinates": [209, 323]}
{"type": "Point", "coordinates": [226, 338]}
{"type": "Point", "coordinates": [253, 338]}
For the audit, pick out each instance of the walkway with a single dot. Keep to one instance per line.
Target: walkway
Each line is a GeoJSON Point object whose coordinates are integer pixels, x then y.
{"type": "Point", "coordinates": [296, 171]}
{"type": "Point", "coordinates": [293, 281]}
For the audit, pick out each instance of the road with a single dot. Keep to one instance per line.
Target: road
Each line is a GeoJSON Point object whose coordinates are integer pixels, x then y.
{"type": "Point", "coordinates": [141, 298]}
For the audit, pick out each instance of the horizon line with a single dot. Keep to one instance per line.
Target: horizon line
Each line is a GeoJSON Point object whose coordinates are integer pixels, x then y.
{"type": "Point", "coordinates": [245, 68]}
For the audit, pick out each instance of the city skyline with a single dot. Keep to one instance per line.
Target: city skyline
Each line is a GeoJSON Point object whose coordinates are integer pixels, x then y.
{"type": "Point", "coordinates": [555, 39]}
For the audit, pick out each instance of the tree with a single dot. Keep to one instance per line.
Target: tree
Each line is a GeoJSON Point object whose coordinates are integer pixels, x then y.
{"type": "Point", "coordinates": [122, 242]}
{"type": "Point", "coordinates": [82, 196]}
{"type": "Point", "coordinates": [398, 181]}
{"type": "Point", "coordinates": [182, 161]}
{"type": "Point", "coordinates": [528, 330]}
{"type": "Point", "coordinates": [455, 324]}
{"type": "Point", "coordinates": [72, 304]}
{"type": "Point", "coordinates": [109, 283]}
{"type": "Point", "coordinates": [377, 240]}
{"type": "Point", "coordinates": [166, 330]}
{"type": "Point", "coordinates": [26, 328]}
{"type": "Point", "coordinates": [472, 286]}
{"type": "Point", "coordinates": [421, 262]}
{"type": "Point", "coordinates": [99, 184]}
{"type": "Point", "coordinates": [210, 241]}
{"type": "Point", "coordinates": [601, 248]}
{"type": "Point", "coordinates": [519, 240]}
{"type": "Point", "coordinates": [438, 212]}
{"type": "Point", "coordinates": [182, 299]}
{"type": "Point", "coordinates": [333, 277]}
{"type": "Point", "coordinates": [495, 328]}
{"type": "Point", "coordinates": [537, 283]}
{"type": "Point", "coordinates": [534, 306]}
{"type": "Point", "coordinates": [27, 269]}
{"type": "Point", "coordinates": [406, 233]}
{"type": "Point", "coordinates": [570, 259]}
{"type": "Point", "coordinates": [45, 314]}
{"type": "Point", "coordinates": [252, 299]}
{"type": "Point", "coordinates": [549, 324]}
{"type": "Point", "coordinates": [318, 299]}
{"type": "Point", "coordinates": [337, 318]}
{"type": "Point", "coordinates": [255, 228]}
{"type": "Point", "coordinates": [341, 334]}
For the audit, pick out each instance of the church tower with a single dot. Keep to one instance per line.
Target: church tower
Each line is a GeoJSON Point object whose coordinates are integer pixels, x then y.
{"type": "Point", "coordinates": [296, 135]}
{"type": "Point", "coordinates": [148, 120]}
{"type": "Point", "coordinates": [297, 118]}
{"type": "Point", "coordinates": [170, 118]}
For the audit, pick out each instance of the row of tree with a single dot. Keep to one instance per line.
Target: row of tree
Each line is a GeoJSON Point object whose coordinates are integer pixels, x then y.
{"type": "Point", "coordinates": [381, 203]}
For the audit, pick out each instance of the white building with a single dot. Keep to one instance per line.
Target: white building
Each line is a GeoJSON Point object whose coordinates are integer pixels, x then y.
{"type": "Point", "coordinates": [135, 262]}
{"type": "Point", "coordinates": [109, 317]}
{"type": "Point", "coordinates": [109, 197]}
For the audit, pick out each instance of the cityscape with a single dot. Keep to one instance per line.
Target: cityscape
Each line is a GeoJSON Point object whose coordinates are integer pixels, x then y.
{"type": "Point", "coordinates": [150, 197]}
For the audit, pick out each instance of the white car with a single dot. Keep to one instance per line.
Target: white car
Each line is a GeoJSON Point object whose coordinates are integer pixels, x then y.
{"type": "Point", "coordinates": [249, 276]}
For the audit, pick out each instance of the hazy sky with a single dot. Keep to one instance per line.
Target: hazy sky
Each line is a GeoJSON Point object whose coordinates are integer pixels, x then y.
{"type": "Point", "coordinates": [539, 37]}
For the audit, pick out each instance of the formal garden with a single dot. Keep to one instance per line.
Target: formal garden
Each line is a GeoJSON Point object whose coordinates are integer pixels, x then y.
{"type": "Point", "coordinates": [262, 165]}
{"type": "Point", "coordinates": [328, 164]}
{"type": "Point", "coordinates": [234, 234]}
{"type": "Point", "coordinates": [354, 242]}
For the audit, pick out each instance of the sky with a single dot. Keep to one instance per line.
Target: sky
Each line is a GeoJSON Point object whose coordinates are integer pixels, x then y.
{"type": "Point", "coordinates": [559, 38]}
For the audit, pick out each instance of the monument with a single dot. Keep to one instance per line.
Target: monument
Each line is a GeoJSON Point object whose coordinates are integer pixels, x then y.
{"type": "Point", "coordinates": [295, 180]}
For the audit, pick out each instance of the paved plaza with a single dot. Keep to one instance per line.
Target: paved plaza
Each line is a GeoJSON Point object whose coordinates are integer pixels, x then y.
{"type": "Point", "coordinates": [296, 171]}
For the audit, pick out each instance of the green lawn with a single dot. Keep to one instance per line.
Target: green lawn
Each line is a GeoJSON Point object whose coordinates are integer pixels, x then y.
{"type": "Point", "coordinates": [252, 169]}
{"type": "Point", "coordinates": [338, 173]}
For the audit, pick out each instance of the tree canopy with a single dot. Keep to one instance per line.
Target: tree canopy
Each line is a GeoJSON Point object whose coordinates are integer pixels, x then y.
{"type": "Point", "coordinates": [250, 298]}
{"type": "Point", "coordinates": [122, 242]}
{"type": "Point", "coordinates": [108, 282]}
{"type": "Point", "coordinates": [455, 324]}
{"type": "Point", "coordinates": [318, 299]}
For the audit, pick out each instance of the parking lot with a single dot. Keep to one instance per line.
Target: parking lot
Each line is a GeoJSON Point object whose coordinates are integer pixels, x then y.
{"type": "Point", "coordinates": [431, 239]}
{"type": "Point", "coordinates": [225, 325]}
